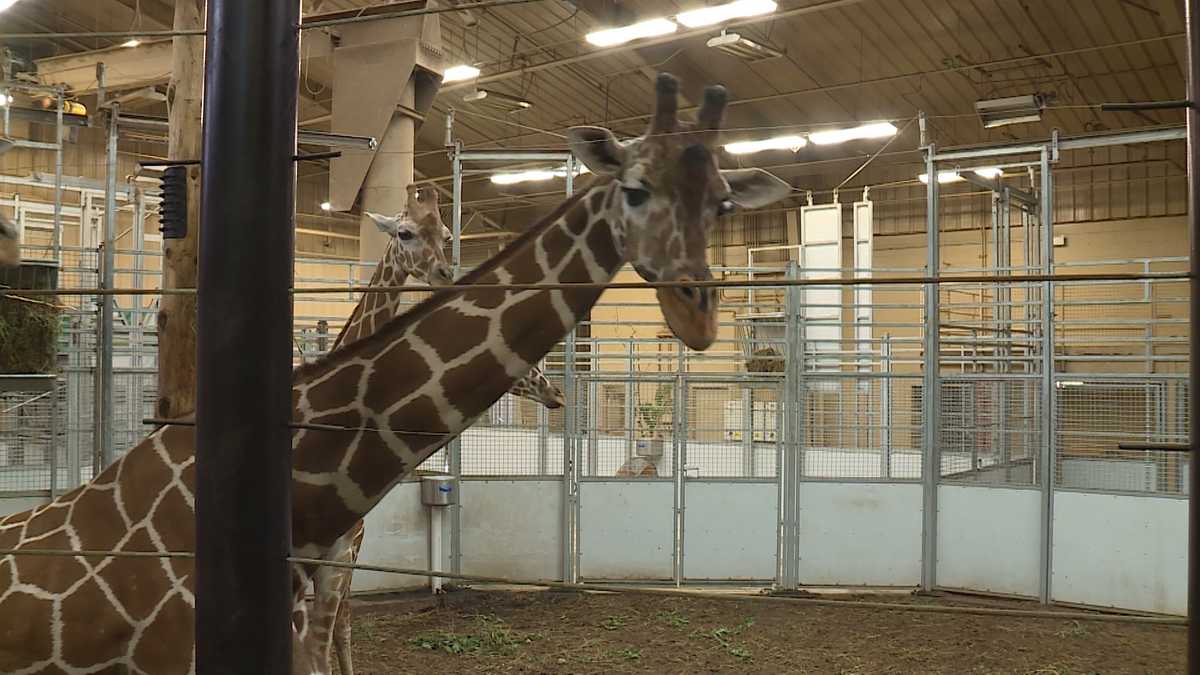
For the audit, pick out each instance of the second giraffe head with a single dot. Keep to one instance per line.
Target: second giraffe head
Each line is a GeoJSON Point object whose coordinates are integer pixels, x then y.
{"type": "Point", "coordinates": [418, 238]}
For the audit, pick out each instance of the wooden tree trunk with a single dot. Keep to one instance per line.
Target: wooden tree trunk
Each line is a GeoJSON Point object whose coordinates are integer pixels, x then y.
{"type": "Point", "coordinates": [177, 313]}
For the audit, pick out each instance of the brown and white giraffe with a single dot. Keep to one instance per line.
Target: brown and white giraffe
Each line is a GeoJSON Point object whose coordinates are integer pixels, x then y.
{"type": "Point", "coordinates": [399, 394]}
{"type": "Point", "coordinates": [415, 248]}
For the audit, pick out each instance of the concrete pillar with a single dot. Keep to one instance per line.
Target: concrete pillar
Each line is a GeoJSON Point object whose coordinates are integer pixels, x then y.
{"type": "Point", "coordinates": [385, 188]}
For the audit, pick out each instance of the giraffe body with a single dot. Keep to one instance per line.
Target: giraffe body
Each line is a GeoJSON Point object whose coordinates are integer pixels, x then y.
{"type": "Point", "coordinates": [400, 394]}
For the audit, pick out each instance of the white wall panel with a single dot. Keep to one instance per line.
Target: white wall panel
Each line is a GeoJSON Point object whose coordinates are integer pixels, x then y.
{"type": "Point", "coordinates": [512, 528]}
{"type": "Point", "coordinates": [988, 539]}
{"type": "Point", "coordinates": [626, 529]}
{"type": "Point", "coordinates": [730, 530]}
{"type": "Point", "coordinates": [860, 534]}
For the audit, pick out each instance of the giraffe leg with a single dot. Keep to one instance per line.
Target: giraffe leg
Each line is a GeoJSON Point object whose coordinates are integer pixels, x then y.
{"type": "Point", "coordinates": [341, 626]}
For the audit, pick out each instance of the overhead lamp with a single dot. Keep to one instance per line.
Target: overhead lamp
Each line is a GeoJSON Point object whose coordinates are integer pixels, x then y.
{"type": "Point", "coordinates": [998, 112]}
{"type": "Point", "coordinates": [5, 99]}
{"type": "Point", "coordinates": [874, 130]}
{"type": "Point", "coordinates": [497, 101]}
{"type": "Point", "coordinates": [953, 176]}
{"type": "Point", "coordinates": [534, 175]}
{"type": "Point", "coordinates": [743, 48]}
{"type": "Point", "coordinates": [5, 4]}
{"type": "Point", "coordinates": [326, 206]}
{"type": "Point", "coordinates": [460, 73]}
{"type": "Point", "coordinates": [131, 43]}
{"type": "Point", "coordinates": [618, 36]}
{"type": "Point", "coordinates": [943, 177]}
{"type": "Point", "coordinates": [792, 143]}
{"type": "Point", "coordinates": [707, 16]}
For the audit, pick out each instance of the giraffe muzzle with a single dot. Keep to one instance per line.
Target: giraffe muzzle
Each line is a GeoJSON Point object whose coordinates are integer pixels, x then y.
{"type": "Point", "coordinates": [691, 313]}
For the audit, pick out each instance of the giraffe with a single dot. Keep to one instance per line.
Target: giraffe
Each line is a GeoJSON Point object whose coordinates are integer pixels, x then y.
{"type": "Point", "coordinates": [398, 395]}
{"type": "Point", "coordinates": [414, 249]}
{"type": "Point", "coordinates": [10, 242]}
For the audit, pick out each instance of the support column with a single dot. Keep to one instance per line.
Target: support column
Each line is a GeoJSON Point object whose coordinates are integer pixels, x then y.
{"type": "Point", "coordinates": [244, 351]}
{"type": "Point", "coordinates": [177, 313]}
{"type": "Point", "coordinates": [385, 189]}
{"type": "Point", "coordinates": [931, 458]}
{"type": "Point", "coordinates": [1049, 414]}
{"type": "Point", "coordinates": [1193, 146]}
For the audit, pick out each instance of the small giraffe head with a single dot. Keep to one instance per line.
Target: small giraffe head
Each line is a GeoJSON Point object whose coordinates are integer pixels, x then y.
{"type": "Point", "coordinates": [537, 387]}
{"type": "Point", "coordinates": [672, 194]}
{"type": "Point", "coordinates": [10, 241]}
{"type": "Point", "coordinates": [418, 237]}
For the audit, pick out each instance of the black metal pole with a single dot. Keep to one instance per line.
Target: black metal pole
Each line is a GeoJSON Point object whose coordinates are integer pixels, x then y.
{"type": "Point", "coordinates": [244, 366]}
{"type": "Point", "coordinates": [1193, 148]}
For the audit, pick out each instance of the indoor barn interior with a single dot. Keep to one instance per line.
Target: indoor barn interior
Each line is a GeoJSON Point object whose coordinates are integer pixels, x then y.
{"type": "Point", "coordinates": [594, 336]}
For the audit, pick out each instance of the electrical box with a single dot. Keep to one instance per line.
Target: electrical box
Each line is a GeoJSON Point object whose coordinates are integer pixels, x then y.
{"type": "Point", "coordinates": [1060, 241]}
{"type": "Point", "coordinates": [439, 490]}
{"type": "Point", "coordinates": [172, 212]}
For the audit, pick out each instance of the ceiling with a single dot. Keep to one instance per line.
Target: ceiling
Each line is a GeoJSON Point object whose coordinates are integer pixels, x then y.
{"type": "Point", "coordinates": [845, 61]}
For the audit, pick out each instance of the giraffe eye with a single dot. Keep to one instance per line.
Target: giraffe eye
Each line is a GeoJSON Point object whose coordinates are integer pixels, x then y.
{"type": "Point", "coordinates": [405, 235]}
{"type": "Point", "coordinates": [635, 196]}
{"type": "Point", "coordinates": [725, 208]}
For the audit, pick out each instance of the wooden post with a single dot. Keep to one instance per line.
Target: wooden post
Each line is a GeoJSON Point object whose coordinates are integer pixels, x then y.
{"type": "Point", "coordinates": [177, 313]}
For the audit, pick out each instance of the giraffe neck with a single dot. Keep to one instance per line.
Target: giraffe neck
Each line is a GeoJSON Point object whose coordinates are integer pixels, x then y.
{"type": "Point", "coordinates": [421, 379]}
{"type": "Point", "coordinates": [376, 309]}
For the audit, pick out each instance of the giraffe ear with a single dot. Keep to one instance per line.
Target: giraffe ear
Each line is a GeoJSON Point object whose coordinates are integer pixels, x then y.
{"type": "Point", "coordinates": [597, 148]}
{"type": "Point", "coordinates": [386, 224]}
{"type": "Point", "coordinates": [754, 188]}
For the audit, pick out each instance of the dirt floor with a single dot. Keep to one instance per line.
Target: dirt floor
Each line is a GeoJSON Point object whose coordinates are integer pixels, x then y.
{"type": "Point", "coordinates": [556, 632]}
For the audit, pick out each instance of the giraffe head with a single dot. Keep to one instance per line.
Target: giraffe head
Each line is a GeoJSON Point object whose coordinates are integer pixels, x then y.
{"type": "Point", "coordinates": [672, 193]}
{"type": "Point", "coordinates": [418, 237]}
{"type": "Point", "coordinates": [535, 386]}
{"type": "Point", "coordinates": [10, 240]}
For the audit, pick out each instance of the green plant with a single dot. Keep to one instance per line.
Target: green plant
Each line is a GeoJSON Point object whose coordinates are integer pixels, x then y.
{"type": "Point", "coordinates": [493, 636]}
{"type": "Point", "coordinates": [673, 618]}
{"type": "Point", "coordinates": [651, 416]}
{"type": "Point", "coordinates": [631, 654]}
{"type": "Point", "coordinates": [614, 622]}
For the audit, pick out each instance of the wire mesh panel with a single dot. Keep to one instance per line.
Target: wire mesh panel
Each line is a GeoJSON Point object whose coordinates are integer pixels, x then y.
{"type": "Point", "coordinates": [29, 453]}
{"type": "Point", "coordinates": [989, 430]}
{"type": "Point", "coordinates": [733, 430]}
{"type": "Point", "coordinates": [627, 427]}
{"type": "Point", "coordinates": [860, 428]}
{"type": "Point", "coordinates": [1095, 416]}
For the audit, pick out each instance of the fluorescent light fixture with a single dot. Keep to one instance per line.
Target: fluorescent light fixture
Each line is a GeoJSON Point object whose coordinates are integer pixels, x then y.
{"type": "Point", "coordinates": [943, 177]}
{"type": "Point", "coordinates": [131, 43]}
{"type": "Point", "coordinates": [460, 73]}
{"type": "Point", "coordinates": [1069, 383]}
{"type": "Point", "coordinates": [743, 48]}
{"type": "Point", "coordinates": [707, 16]}
{"type": "Point", "coordinates": [534, 175]}
{"type": "Point", "coordinates": [999, 112]}
{"type": "Point", "coordinates": [5, 99]}
{"type": "Point", "coordinates": [5, 4]}
{"type": "Point", "coordinates": [326, 206]}
{"type": "Point", "coordinates": [497, 101]}
{"type": "Point", "coordinates": [987, 172]}
{"type": "Point", "coordinates": [619, 36]}
{"type": "Point", "coordinates": [875, 130]}
{"type": "Point", "coordinates": [792, 143]}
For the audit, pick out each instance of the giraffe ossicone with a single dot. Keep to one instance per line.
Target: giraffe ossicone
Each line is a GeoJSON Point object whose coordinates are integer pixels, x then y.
{"type": "Point", "coordinates": [406, 390]}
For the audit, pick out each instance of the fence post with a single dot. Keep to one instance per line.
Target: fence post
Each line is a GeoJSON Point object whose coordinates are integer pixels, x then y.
{"type": "Point", "coordinates": [791, 468]}
{"type": "Point", "coordinates": [570, 482]}
{"type": "Point", "coordinates": [930, 468]}
{"type": "Point", "coordinates": [1049, 417]}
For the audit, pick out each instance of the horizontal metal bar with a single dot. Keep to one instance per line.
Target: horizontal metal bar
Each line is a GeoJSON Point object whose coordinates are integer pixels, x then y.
{"type": "Point", "coordinates": [1171, 133]}
{"type": "Point", "coordinates": [625, 285]}
{"type": "Point", "coordinates": [335, 140]}
{"type": "Point", "coordinates": [512, 156]}
{"type": "Point", "coordinates": [1145, 105]}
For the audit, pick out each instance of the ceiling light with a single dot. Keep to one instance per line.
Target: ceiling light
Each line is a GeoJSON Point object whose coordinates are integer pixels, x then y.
{"type": "Point", "coordinates": [999, 112]}
{"type": "Point", "coordinates": [534, 175]}
{"type": "Point", "coordinates": [5, 4]}
{"type": "Point", "coordinates": [460, 73]}
{"type": "Point", "coordinates": [131, 43]}
{"type": "Point", "coordinates": [326, 206]}
{"type": "Point", "coordinates": [792, 143]}
{"type": "Point", "coordinates": [707, 16]}
{"type": "Point", "coordinates": [619, 36]}
{"type": "Point", "coordinates": [497, 101]}
{"type": "Point", "coordinates": [743, 48]}
{"type": "Point", "coordinates": [987, 172]}
{"type": "Point", "coordinates": [876, 130]}
{"type": "Point", "coordinates": [5, 99]}
{"type": "Point", "coordinates": [943, 177]}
